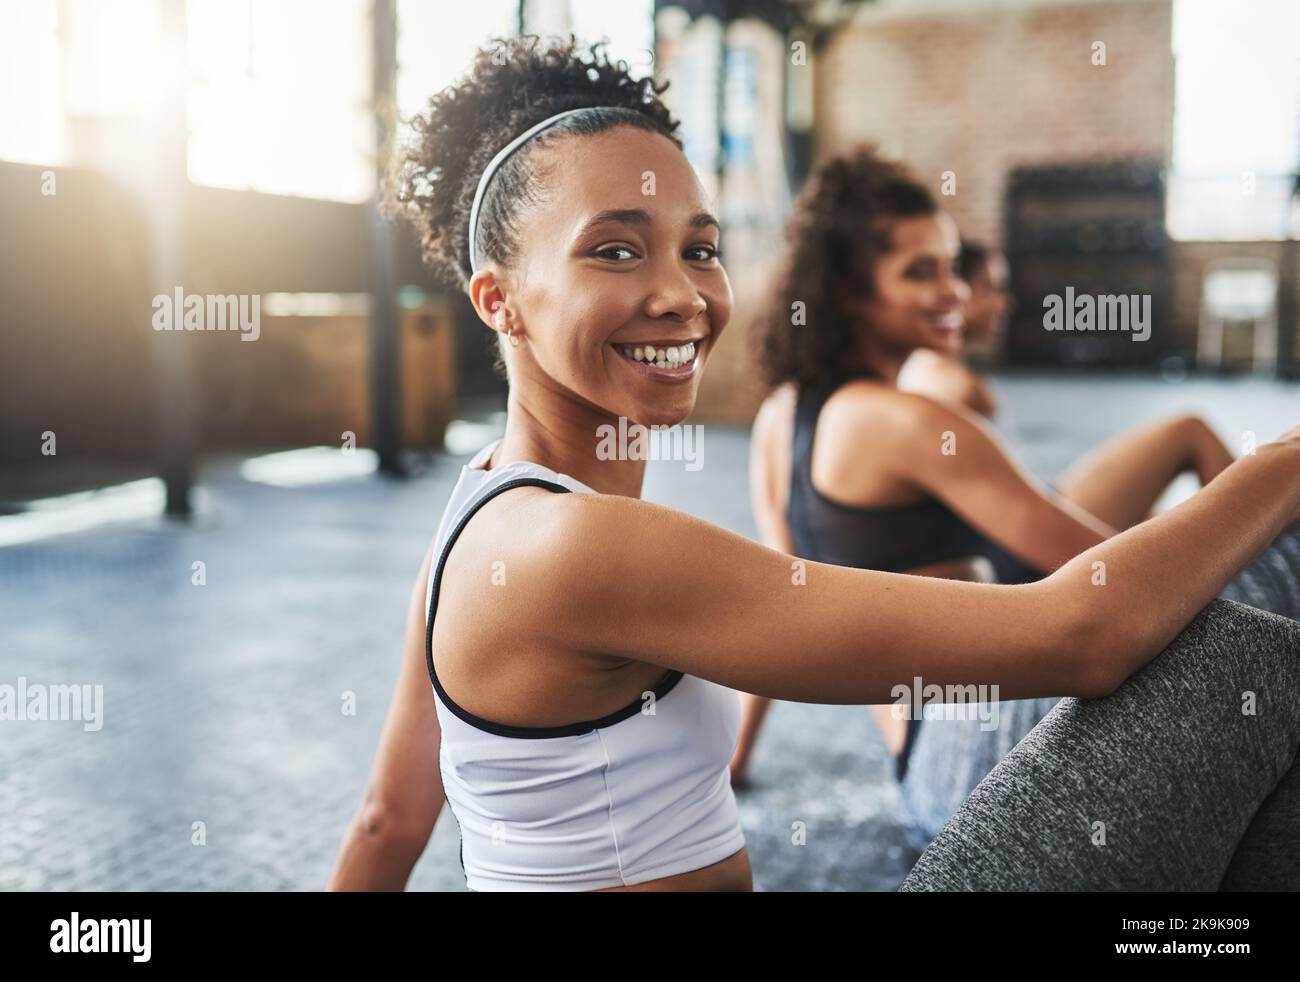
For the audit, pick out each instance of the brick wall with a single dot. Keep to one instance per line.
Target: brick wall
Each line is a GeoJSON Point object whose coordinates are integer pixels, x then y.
{"type": "Point", "coordinates": [982, 87]}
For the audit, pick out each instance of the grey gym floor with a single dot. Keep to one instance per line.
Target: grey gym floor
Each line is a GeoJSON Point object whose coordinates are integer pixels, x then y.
{"type": "Point", "coordinates": [223, 702]}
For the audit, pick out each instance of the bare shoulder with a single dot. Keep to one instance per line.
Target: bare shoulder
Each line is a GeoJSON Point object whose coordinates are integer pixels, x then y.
{"type": "Point", "coordinates": [924, 363]}
{"type": "Point", "coordinates": [942, 377]}
{"type": "Point", "coordinates": [592, 527]}
{"type": "Point", "coordinates": [863, 410]}
{"type": "Point", "coordinates": [505, 544]}
{"type": "Point", "coordinates": [532, 551]}
{"type": "Point", "coordinates": [592, 555]}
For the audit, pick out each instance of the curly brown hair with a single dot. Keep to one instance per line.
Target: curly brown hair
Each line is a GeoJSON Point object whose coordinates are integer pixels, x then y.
{"type": "Point", "coordinates": [839, 227]}
{"type": "Point", "coordinates": [513, 84]}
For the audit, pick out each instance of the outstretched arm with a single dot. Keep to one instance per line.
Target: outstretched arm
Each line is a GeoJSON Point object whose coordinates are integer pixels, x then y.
{"type": "Point", "coordinates": [655, 585]}
{"type": "Point", "coordinates": [1113, 487]}
{"type": "Point", "coordinates": [959, 458]}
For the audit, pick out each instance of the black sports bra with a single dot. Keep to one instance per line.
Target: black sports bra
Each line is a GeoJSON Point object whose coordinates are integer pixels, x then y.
{"type": "Point", "coordinates": [891, 538]}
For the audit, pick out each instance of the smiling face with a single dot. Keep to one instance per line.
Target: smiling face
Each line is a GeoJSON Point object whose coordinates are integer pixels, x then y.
{"type": "Point", "coordinates": [917, 297]}
{"type": "Point", "coordinates": [616, 295]}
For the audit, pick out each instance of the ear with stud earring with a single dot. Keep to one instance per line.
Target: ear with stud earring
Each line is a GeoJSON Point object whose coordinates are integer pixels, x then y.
{"type": "Point", "coordinates": [499, 320]}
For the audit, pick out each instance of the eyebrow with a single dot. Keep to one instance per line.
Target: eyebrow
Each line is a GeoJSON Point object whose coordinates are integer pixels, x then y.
{"type": "Point", "coordinates": [636, 216]}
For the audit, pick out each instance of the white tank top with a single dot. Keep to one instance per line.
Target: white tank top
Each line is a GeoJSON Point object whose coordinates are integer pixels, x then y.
{"type": "Point", "coordinates": [637, 795]}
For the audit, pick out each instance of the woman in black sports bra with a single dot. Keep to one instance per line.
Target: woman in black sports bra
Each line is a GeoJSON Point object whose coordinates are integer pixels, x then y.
{"type": "Point", "coordinates": [856, 472]}
{"type": "Point", "coordinates": [892, 538]}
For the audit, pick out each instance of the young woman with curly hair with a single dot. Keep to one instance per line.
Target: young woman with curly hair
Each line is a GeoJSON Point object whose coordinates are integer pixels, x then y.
{"type": "Point", "coordinates": [552, 593]}
{"type": "Point", "coordinates": [849, 463]}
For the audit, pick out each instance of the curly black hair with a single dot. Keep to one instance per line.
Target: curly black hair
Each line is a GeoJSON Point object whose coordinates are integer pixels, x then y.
{"type": "Point", "coordinates": [839, 227]}
{"type": "Point", "coordinates": [513, 84]}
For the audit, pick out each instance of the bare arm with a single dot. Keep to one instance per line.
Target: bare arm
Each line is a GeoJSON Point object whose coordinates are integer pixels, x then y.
{"type": "Point", "coordinates": [404, 795]}
{"type": "Point", "coordinates": [956, 456]}
{"type": "Point", "coordinates": [769, 458]}
{"type": "Point", "coordinates": [655, 585]}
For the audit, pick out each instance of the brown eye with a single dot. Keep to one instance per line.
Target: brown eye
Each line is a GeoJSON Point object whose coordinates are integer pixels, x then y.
{"type": "Point", "coordinates": [609, 252]}
{"type": "Point", "coordinates": [702, 253]}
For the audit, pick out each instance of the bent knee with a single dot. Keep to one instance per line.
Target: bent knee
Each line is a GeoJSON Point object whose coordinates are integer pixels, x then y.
{"type": "Point", "coordinates": [1234, 648]}
{"type": "Point", "coordinates": [1192, 430]}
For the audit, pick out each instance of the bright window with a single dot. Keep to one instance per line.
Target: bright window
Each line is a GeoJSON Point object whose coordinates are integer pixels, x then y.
{"type": "Point", "coordinates": [1236, 118]}
{"type": "Point", "coordinates": [434, 50]}
{"type": "Point", "coordinates": [279, 93]}
{"type": "Point", "coordinates": [280, 96]}
{"type": "Point", "coordinates": [627, 26]}
{"type": "Point", "coordinates": [31, 89]}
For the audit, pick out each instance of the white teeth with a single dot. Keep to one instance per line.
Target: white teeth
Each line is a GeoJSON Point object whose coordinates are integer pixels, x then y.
{"type": "Point", "coordinates": [665, 357]}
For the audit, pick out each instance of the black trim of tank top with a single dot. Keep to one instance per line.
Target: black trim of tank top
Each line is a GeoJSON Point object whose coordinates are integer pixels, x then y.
{"type": "Point", "coordinates": [905, 754]}
{"type": "Point", "coordinates": [502, 729]}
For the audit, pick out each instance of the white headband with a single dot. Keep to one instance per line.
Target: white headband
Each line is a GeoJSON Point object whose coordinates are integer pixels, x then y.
{"type": "Point", "coordinates": [500, 159]}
